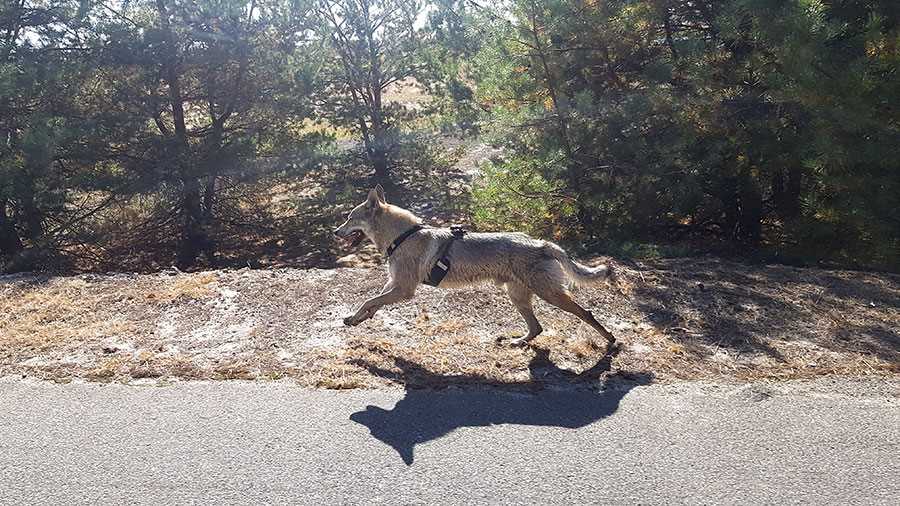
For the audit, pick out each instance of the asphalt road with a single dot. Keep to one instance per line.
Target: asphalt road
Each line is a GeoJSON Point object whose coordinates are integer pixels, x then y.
{"type": "Point", "coordinates": [828, 442]}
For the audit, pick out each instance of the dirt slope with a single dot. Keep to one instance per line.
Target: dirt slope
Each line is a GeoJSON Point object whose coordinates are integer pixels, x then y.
{"type": "Point", "coordinates": [687, 318]}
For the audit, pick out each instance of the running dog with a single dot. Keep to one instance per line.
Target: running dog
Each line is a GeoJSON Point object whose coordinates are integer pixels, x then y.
{"type": "Point", "coordinates": [451, 258]}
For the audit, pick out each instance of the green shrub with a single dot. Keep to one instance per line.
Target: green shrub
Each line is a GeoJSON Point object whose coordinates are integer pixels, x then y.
{"type": "Point", "coordinates": [512, 195]}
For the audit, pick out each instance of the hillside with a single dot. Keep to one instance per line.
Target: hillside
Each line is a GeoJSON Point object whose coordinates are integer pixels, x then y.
{"type": "Point", "coordinates": [677, 319]}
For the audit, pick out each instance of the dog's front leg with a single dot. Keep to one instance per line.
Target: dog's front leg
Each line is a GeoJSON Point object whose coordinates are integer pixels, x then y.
{"type": "Point", "coordinates": [390, 294]}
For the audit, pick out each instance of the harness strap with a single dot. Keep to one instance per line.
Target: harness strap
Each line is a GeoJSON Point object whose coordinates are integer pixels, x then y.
{"type": "Point", "coordinates": [399, 240]}
{"type": "Point", "coordinates": [442, 266]}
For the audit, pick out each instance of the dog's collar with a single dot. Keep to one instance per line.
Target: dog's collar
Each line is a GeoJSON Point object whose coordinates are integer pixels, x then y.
{"type": "Point", "coordinates": [399, 240]}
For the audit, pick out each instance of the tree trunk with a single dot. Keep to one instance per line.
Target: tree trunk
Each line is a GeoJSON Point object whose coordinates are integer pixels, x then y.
{"type": "Point", "coordinates": [750, 211]}
{"type": "Point", "coordinates": [372, 137]}
{"type": "Point", "coordinates": [192, 239]}
{"type": "Point", "coordinates": [382, 149]}
{"type": "Point", "coordinates": [575, 166]}
{"type": "Point", "coordinates": [209, 196]}
{"type": "Point", "coordinates": [34, 227]}
{"type": "Point", "coordinates": [10, 243]}
{"type": "Point", "coordinates": [552, 90]}
{"type": "Point", "coordinates": [786, 189]}
{"type": "Point", "coordinates": [192, 236]}
{"type": "Point", "coordinates": [214, 163]}
{"type": "Point", "coordinates": [213, 167]}
{"type": "Point", "coordinates": [378, 154]}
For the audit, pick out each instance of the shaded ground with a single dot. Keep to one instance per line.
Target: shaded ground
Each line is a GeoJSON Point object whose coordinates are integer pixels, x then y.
{"type": "Point", "coordinates": [686, 318]}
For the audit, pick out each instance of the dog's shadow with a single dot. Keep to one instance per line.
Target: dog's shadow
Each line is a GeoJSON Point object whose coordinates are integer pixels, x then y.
{"type": "Point", "coordinates": [553, 397]}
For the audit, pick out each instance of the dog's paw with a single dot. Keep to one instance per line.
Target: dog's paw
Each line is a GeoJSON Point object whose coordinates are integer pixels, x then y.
{"type": "Point", "coordinates": [610, 339]}
{"type": "Point", "coordinates": [519, 342]}
{"type": "Point", "coordinates": [350, 321]}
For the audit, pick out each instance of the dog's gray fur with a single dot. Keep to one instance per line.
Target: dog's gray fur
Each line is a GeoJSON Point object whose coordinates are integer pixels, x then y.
{"type": "Point", "coordinates": [524, 266]}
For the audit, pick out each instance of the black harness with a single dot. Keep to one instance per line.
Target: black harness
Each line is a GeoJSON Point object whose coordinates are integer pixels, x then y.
{"type": "Point", "coordinates": [442, 266]}
{"type": "Point", "coordinates": [402, 237]}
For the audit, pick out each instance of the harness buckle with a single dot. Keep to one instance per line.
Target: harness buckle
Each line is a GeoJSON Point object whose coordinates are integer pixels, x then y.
{"type": "Point", "coordinates": [442, 266]}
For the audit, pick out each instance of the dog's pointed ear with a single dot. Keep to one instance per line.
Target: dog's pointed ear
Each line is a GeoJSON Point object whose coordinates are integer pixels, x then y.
{"type": "Point", "coordinates": [376, 196]}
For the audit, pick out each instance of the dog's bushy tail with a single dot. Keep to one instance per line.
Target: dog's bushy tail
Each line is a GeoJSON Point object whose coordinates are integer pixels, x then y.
{"type": "Point", "coordinates": [580, 274]}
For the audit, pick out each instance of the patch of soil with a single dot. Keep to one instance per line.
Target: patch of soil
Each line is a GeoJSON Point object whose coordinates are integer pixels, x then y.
{"type": "Point", "coordinates": [675, 319]}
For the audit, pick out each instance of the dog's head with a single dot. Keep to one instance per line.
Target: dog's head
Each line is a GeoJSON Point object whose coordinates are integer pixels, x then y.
{"type": "Point", "coordinates": [361, 221]}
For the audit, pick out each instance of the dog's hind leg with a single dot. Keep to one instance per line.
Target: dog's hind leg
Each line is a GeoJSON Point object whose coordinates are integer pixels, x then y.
{"type": "Point", "coordinates": [561, 298]}
{"type": "Point", "coordinates": [520, 296]}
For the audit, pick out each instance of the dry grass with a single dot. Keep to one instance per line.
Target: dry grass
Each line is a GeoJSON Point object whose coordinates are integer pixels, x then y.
{"type": "Point", "coordinates": [723, 321]}
{"type": "Point", "coordinates": [744, 323]}
{"type": "Point", "coordinates": [56, 312]}
{"type": "Point", "coordinates": [436, 362]}
{"type": "Point", "coordinates": [46, 314]}
{"type": "Point", "coordinates": [191, 286]}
